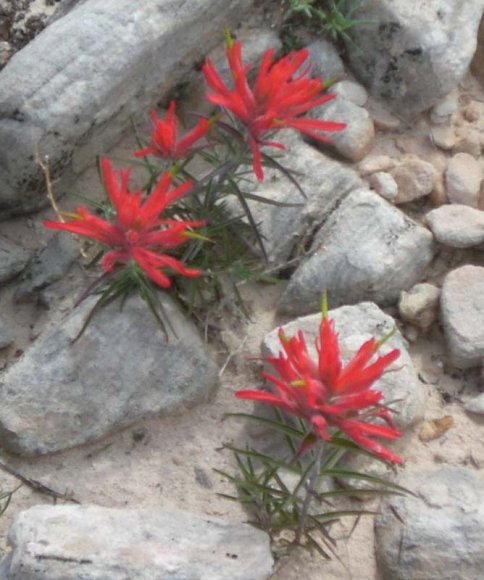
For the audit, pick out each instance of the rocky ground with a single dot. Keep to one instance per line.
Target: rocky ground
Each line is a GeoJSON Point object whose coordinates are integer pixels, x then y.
{"type": "Point", "coordinates": [409, 173]}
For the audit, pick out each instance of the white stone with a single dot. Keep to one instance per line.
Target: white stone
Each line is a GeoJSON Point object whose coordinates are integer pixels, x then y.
{"type": "Point", "coordinates": [356, 140]}
{"type": "Point", "coordinates": [476, 405]}
{"type": "Point", "coordinates": [351, 91]}
{"type": "Point", "coordinates": [457, 226]}
{"type": "Point", "coordinates": [375, 164]}
{"type": "Point", "coordinates": [90, 542]}
{"type": "Point", "coordinates": [462, 312]}
{"type": "Point", "coordinates": [443, 136]}
{"type": "Point", "coordinates": [413, 53]}
{"type": "Point", "coordinates": [463, 179]}
{"type": "Point", "coordinates": [325, 60]}
{"type": "Point", "coordinates": [419, 305]}
{"type": "Point", "coordinates": [414, 178]}
{"type": "Point", "coordinates": [442, 111]}
{"type": "Point", "coordinates": [384, 184]}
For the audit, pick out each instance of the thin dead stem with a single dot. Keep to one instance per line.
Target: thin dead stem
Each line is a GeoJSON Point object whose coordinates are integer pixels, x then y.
{"type": "Point", "coordinates": [43, 163]}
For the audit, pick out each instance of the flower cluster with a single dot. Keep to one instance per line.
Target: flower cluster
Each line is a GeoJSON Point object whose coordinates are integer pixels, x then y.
{"type": "Point", "coordinates": [281, 93]}
{"type": "Point", "coordinates": [328, 394]}
{"type": "Point", "coordinates": [137, 235]}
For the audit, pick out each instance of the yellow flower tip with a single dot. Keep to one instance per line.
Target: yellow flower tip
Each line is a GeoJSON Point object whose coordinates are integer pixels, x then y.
{"type": "Point", "coordinates": [70, 215]}
{"type": "Point", "coordinates": [331, 81]}
{"type": "Point", "coordinates": [324, 304]}
{"type": "Point", "coordinates": [298, 383]}
{"type": "Point", "coordinates": [283, 336]}
{"type": "Point", "coordinates": [174, 169]}
{"type": "Point", "coordinates": [196, 236]}
{"type": "Point", "coordinates": [386, 337]}
{"type": "Point", "coordinates": [214, 118]}
{"type": "Point", "coordinates": [228, 38]}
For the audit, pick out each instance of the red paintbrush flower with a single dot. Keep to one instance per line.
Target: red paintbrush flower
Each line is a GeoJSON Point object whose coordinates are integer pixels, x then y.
{"type": "Point", "coordinates": [282, 91]}
{"type": "Point", "coordinates": [137, 234]}
{"type": "Point", "coordinates": [327, 394]}
{"type": "Point", "coordinates": [164, 136]}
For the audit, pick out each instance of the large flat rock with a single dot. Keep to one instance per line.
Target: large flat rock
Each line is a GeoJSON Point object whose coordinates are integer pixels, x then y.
{"type": "Point", "coordinates": [413, 53]}
{"type": "Point", "coordinates": [366, 250]}
{"type": "Point", "coordinates": [71, 92]}
{"type": "Point", "coordinates": [63, 393]}
{"type": "Point", "coordinates": [97, 543]}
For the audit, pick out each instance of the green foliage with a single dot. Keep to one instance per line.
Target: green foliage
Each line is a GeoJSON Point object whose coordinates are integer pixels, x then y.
{"type": "Point", "coordinates": [274, 490]}
{"type": "Point", "coordinates": [333, 18]}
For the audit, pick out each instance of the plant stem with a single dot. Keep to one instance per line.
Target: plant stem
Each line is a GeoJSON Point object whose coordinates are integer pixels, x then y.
{"type": "Point", "coordinates": [310, 489]}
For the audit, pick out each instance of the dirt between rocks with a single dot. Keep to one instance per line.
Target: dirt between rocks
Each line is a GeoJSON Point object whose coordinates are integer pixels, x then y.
{"type": "Point", "coordinates": [170, 461]}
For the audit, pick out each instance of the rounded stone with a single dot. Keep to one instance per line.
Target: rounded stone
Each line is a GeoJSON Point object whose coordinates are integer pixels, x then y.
{"type": "Point", "coordinates": [463, 179]}
{"type": "Point", "coordinates": [415, 179]}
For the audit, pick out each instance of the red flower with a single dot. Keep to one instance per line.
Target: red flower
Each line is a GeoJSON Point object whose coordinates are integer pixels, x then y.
{"type": "Point", "coordinates": [329, 395]}
{"type": "Point", "coordinates": [280, 94]}
{"type": "Point", "coordinates": [164, 136]}
{"type": "Point", "coordinates": [137, 234]}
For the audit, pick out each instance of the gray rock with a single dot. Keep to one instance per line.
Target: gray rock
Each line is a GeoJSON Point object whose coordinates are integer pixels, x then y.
{"type": "Point", "coordinates": [437, 535]}
{"type": "Point", "coordinates": [457, 226]}
{"type": "Point", "coordinates": [463, 179]}
{"type": "Point", "coordinates": [63, 393]}
{"type": "Point", "coordinates": [413, 54]}
{"type": "Point", "coordinates": [13, 259]}
{"type": "Point", "coordinates": [443, 137]}
{"type": "Point", "coordinates": [48, 266]}
{"type": "Point", "coordinates": [351, 91]}
{"type": "Point", "coordinates": [90, 542]}
{"type": "Point", "coordinates": [325, 60]}
{"type": "Point", "coordinates": [415, 179]}
{"type": "Point", "coordinates": [420, 305]}
{"type": "Point", "coordinates": [356, 324]}
{"type": "Point", "coordinates": [366, 250]}
{"type": "Point", "coordinates": [103, 63]}
{"type": "Point", "coordinates": [476, 405]}
{"type": "Point", "coordinates": [462, 312]}
{"type": "Point", "coordinates": [384, 184]}
{"type": "Point", "coordinates": [443, 111]}
{"type": "Point", "coordinates": [6, 335]}
{"type": "Point", "coordinates": [356, 140]}
{"type": "Point", "coordinates": [376, 164]}
{"type": "Point", "coordinates": [324, 181]}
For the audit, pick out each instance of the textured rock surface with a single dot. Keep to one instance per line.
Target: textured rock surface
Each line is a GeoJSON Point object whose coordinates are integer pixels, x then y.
{"type": "Point", "coordinates": [6, 336]}
{"type": "Point", "coordinates": [413, 53]}
{"type": "Point", "coordinates": [366, 250]}
{"type": "Point", "coordinates": [354, 142]}
{"type": "Point", "coordinates": [457, 226]}
{"type": "Point", "coordinates": [325, 183]}
{"type": "Point", "coordinates": [325, 60]}
{"type": "Point", "coordinates": [384, 184]}
{"type": "Point", "coordinates": [476, 405]}
{"type": "Point", "coordinates": [462, 311]}
{"type": "Point", "coordinates": [414, 178]}
{"type": "Point", "coordinates": [63, 393]}
{"type": "Point", "coordinates": [104, 62]}
{"type": "Point", "coordinates": [439, 534]}
{"type": "Point", "coordinates": [91, 542]}
{"type": "Point", "coordinates": [355, 324]}
{"type": "Point", "coordinates": [420, 305]}
{"type": "Point", "coordinates": [463, 179]}
{"type": "Point", "coordinates": [13, 259]}
{"type": "Point", "coordinates": [48, 266]}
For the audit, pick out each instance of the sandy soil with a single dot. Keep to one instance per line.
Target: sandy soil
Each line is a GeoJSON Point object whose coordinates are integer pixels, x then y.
{"type": "Point", "coordinates": [170, 461]}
